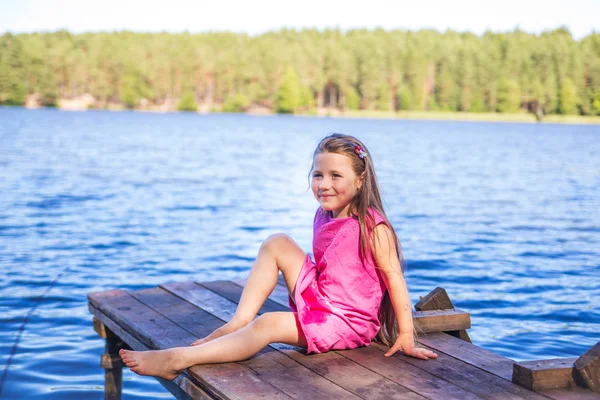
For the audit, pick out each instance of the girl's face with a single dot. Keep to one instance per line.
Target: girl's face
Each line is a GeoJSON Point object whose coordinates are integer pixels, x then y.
{"type": "Point", "coordinates": [334, 183]}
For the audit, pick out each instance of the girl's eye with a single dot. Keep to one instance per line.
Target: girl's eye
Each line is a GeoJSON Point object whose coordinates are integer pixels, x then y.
{"type": "Point", "coordinates": [337, 176]}
{"type": "Point", "coordinates": [316, 175]}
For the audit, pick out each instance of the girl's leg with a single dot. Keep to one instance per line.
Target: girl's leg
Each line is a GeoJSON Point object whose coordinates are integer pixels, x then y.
{"type": "Point", "coordinates": [275, 327]}
{"type": "Point", "coordinates": [278, 253]}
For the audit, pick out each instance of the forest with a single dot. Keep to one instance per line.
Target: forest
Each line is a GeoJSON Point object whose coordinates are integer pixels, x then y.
{"type": "Point", "coordinates": [296, 71]}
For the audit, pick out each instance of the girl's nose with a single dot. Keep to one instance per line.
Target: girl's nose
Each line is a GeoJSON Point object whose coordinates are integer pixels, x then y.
{"type": "Point", "coordinates": [325, 183]}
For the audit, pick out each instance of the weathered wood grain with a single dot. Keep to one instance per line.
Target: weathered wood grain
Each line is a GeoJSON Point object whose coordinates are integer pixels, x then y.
{"type": "Point", "coordinates": [102, 330]}
{"type": "Point", "coordinates": [467, 376]}
{"type": "Point", "coordinates": [441, 320]}
{"type": "Point", "coordinates": [288, 376]}
{"type": "Point", "coordinates": [157, 332]}
{"type": "Point", "coordinates": [438, 299]}
{"type": "Point", "coordinates": [111, 361]}
{"type": "Point", "coordinates": [176, 314]}
{"type": "Point", "coordinates": [571, 394]}
{"type": "Point", "coordinates": [469, 353]}
{"type": "Point", "coordinates": [113, 372]}
{"type": "Point", "coordinates": [407, 375]}
{"type": "Point", "coordinates": [355, 378]}
{"type": "Point", "coordinates": [180, 386]}
{"type": "Point", "coordinates": [587, 368]}
{"type": "Point", "coordinates": [544, 374]}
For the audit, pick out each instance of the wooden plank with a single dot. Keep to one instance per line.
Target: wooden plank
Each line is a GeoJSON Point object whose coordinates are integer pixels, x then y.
{"type": "Point", "coordinates": [441, 320]}
{"type": "Point", "coordinates": [438, 299]}
{"type": "Point", "coordinates": [330, 364]}
{"type": "Point", "coordinates": [354, 377]}
{"type": "Point", "coordinates": [466, 376]}
{"type": "Point", "coordinates": [157, 332]}
{"type": "Point", "coordinates": [469, 353]}
{"type": "Point", "coordinates": [575, 393]}
{"type": "Point", "coordinates": [587, 368]}
{"type": "Point", "coordinates": [342, 372]}
{"type": "Point", "coordinates": [407, 375]}
{"type": "Point", "coordinates": [296, 379]}
{"type": "Point", "coordinates": [544, 374]}
{"type": "Point", "coordinates": [183, 381]}
{"type": "Point", "coordinates": [271, 365]}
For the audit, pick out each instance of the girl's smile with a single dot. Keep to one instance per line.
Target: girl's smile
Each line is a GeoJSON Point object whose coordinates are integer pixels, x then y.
{"type": "Point", "coordinates": [334, 183]}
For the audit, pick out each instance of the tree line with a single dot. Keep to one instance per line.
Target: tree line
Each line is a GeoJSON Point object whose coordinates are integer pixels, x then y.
{"type": "Point", "coordinates": [299, 70]}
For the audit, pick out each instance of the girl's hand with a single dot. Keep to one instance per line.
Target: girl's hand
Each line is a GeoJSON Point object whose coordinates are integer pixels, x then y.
{"type": "Point", "coordinates": [406, 343]}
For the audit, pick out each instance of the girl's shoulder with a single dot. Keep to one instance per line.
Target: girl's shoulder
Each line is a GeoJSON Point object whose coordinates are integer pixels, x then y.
{"type": "Point", "coordinates": [376, 218]}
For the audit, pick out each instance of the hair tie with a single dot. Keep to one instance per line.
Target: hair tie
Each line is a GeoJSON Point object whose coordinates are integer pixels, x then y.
{"type": "Point", "coordinates": [360, 151]}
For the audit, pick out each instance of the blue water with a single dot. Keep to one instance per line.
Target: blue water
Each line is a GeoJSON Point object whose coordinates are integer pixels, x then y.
{"type": "Point", "coordinates": [503, 216]}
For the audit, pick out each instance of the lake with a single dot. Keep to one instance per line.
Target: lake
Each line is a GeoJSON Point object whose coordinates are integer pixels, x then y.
{"type": "Point", "coordinates": [504, 216]}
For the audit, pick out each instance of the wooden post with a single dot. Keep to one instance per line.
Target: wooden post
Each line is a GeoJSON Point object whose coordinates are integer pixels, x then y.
{"type": "Point", "coordinates": [438, 299]}
{"type": "Point", "coordinates": [111, 362]}
{"type": "Point", "coordinates": [544, 374]}
{"type": "Point", "coordinates": [587, 368]}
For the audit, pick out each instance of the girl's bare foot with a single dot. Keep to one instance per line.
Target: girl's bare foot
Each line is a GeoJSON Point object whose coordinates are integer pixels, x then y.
{"type": "Point", "coordinates": [231, 326]}
{"type": "Point", "coordinates": [161, 363]}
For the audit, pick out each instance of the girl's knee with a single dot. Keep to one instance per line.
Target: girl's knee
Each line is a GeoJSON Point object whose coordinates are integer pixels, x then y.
{"type": "Point", "coordinates": [280, 327]}
{"type": "Point", "coordinates": [276, 242]}
{"type": "Point", "coordinates": [267, 323]}
{"type": "Point", "coordinates": [262, 322]}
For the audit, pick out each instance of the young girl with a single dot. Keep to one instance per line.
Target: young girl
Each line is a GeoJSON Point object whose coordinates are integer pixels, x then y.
{"type": "Point", "coordinates": [353, 294]}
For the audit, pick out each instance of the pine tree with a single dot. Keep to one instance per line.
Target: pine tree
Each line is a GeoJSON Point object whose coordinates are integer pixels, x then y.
{"type": "Point", "coordinates": [567, 97]}
{"type": "Point", "coordinates": [509, 96]}
{"type": "Point", "coordinates": [352, 99]}
{"type": "Point", "coordinates": [289, 96]}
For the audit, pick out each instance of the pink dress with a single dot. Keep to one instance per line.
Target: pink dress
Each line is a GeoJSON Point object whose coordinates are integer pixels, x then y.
{"type": "Point", "coordinates": [337, 297]}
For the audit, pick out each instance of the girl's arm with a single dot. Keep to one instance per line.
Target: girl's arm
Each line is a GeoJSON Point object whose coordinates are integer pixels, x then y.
{"type": "Point", "coordinates": [384, 250]}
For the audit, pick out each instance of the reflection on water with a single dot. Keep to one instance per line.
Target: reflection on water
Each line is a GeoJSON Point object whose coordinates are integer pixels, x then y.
{"type": "Point", "coordinates": [504, 216]}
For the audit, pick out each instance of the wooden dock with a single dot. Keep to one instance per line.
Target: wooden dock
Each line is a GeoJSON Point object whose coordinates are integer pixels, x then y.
{"type": "Point", "coordinates": [176, 314]}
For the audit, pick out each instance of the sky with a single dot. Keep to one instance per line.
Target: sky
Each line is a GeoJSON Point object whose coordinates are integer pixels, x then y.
{"type": "Point", "coordinates": [581, 17]}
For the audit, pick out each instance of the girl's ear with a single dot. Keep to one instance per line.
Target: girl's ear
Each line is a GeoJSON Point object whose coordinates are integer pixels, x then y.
{"type": "Point", "coordinates": [361, 180]}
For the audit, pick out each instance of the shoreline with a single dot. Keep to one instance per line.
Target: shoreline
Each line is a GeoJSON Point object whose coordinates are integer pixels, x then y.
{"type": "Point", "coordinates": [373, 114]}
{"type": "Point", "coordinates": [471, 117]}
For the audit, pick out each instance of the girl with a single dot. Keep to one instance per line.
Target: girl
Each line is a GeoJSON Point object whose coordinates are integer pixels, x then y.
{"type": "Point", "coordinates": [354, 293]}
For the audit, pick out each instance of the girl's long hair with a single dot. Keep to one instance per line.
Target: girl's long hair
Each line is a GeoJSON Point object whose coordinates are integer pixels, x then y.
{"type": "Point", "coordinates": [367, 197]}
